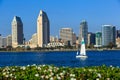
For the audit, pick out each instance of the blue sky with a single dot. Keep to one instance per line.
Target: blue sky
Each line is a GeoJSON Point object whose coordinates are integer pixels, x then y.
{"type": "Point", "coordinates": [61, 13]}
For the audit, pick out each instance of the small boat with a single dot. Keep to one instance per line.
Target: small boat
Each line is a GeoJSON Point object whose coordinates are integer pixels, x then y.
{"type": "Point", "coordinates": [82, 53]}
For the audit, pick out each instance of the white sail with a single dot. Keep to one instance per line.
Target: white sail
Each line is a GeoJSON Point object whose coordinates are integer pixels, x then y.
{"type": "Point", "coordinates": [77, 53]}
{"type": "Point", "coordinates": [82, 51]}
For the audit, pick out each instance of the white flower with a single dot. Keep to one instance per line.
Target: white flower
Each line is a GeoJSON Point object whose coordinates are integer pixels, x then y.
{"type": "Point", "coordinates": [46, 77]}
{"type": "Point", "coordinates": [72, 75]}
{"type": "Point", "coordinates": [97, 78]}
{"type": "Point", "coordinates": [52, 73]}
{"type": "Point", "coordinates": [28, 65]}
{"type": "Point", "coordinates": [59, 78]}
{"type": "Point", "coordinates": [50, 70]}
{"type": "Point", "coordinates": [72, 79]}
{"type": "Point", "coordinates": [51, 78]}
{"type": "Point", "coordinates": [23, 68]}
{"type": "Point", "coordinates": [42, 76]}
{"type": "Point", "coordinates": [7, 72]}
{"type": "Point", "coordinates": [6, 76]}
{"type": "Point", "coordinates": [37, 75]}
{"type": "Point", "coordinates": [99, 75]}
{"type": "Point", "coordinates": [61, 74]}
{"type": "Point", "coordinates": [39, 68]}
{"type": "Point", "coordinates": [4, 73]}
{"type": "Point", "coordinates": [108, 78]}
{"type": "Point", "coordinates": [90, 70]}
{"type": "Point", "coordinates": [11, 75]}
{"type": "Point", "coordinates": [44, 65]}
{"type": "Point", "coordinates": [13, 69]}
{"type": "Point", "coordinates": [34, 64]}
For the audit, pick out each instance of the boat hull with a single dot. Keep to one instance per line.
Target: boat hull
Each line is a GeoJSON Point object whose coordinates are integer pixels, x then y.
{"type": "Point", "coordinates": [81, 56]}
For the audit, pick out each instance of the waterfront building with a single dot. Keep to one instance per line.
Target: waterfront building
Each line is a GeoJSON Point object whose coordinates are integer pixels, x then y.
{"type": "Point", "coordinates": [74, 38]}
{"type": "Point", "coordinates": [43, 29]}
{"type": "Point", "coordinates": [9, 40]}
{"type": "Point", "coordinates": [118, 33]}
{"type": "Point", "coordinates": [0, 41]}
{"type": "Point", "coordinates": [53, 39]}
{"type": "Point", "coordinates": [55, 44]}
{"type": "Point", "coordinates": [118, 42]}
{"type": "Point", "coordinates": [17, 31]}
{"type": "Point", "coordinates": [33, 41]}
{"type": "Point", "coordinates": [91, 38]}
{"type": "Point", "coordinates": [98, 39]}
{"type": "Point", "coordinates": [4, 42]}
{"type": "Point", "coordinates": [66, 35]}
{"type": "Point", "coordinates": [108, 35]}
{"type": "Point", "coordinates": [83, 31]}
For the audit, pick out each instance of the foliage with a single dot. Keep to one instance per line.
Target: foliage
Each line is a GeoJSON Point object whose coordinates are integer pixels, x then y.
{"type": "Point", "coordinates": [50, 72]}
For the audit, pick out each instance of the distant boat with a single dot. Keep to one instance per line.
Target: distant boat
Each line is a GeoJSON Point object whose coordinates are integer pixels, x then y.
{"type": "Point", "coordinates": [99, 49]}
{"type": "Point", "coordinates": [82, 53]}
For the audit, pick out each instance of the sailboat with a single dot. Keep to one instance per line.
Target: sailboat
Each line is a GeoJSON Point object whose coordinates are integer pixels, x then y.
{"type": "Point", "coordinates": [82, 53]}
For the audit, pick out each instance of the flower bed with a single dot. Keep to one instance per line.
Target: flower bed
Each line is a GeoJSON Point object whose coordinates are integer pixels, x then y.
{"type": "Point", "coordinates": [49, 72]}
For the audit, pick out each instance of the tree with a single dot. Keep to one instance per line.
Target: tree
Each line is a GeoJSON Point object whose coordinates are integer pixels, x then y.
{"type": "Point", "coordinates": [110, 45]}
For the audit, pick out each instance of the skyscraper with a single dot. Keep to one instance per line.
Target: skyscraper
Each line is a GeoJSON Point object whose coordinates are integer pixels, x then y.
{"type": "Point", "coordinates": [91, 38]}
{"type": "Point", "coordinates": [4, 42]}
{"type": "Point", "coordinates": [9, 40]}
{"type": "Point", "coordinates": [118, 33]}
{"type": "Point", "coordinates": [43, 29]}
{"type": "Point", "coordinates": [83, 31]}
{"type": "Point", "coordinates": [0, 40]}
{"type": "Point", "coordinates": [17, 31]}
{"type": "Point", "coordinates": [108, 35]}
{"type": "Point", "coordinates": [66, 34]}
{"type": "Point", "coordinates": [98, 39]}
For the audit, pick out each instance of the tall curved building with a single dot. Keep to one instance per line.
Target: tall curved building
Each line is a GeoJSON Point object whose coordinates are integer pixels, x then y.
{"type": "Point", "coordinates": [43, 29]}
{"type": "Point", "coordinates": [83, 31]}
{"type": "Point", "coordinates": [17, 31]}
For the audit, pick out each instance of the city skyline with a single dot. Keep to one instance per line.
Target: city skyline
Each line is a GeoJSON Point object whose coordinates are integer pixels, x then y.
{"type": "Point", "coordinates": [60, 13]}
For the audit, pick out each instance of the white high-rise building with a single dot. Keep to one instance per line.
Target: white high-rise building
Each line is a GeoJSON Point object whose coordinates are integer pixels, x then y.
{"type": "Point", "coordinates": [17, 31]}
{"type": "Point", "coordinates": [9, 40]}
{"type": "Point", "coordinates": [43, 29]}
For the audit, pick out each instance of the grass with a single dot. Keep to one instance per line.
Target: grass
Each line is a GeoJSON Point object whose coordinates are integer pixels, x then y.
{"type": "Point", "coordinates": [50, 72]}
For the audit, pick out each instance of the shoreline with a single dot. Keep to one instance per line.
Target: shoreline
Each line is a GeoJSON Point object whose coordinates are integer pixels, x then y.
{"type": "Point", "coordinates": [63, 50]}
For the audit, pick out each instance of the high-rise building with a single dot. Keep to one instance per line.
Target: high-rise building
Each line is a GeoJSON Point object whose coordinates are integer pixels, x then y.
{"type": "Point", "coordinates": [17, 31]}
{"type": "Point", "coordinates": [83, 31]}
{"type": "Point", "coordinates": [4, 42]}
{"type": "Point", "coordinates": [98, 39]}
{"type": "Point", "coordinates": [91, 38]}
{"type": "Point", "coordinates": [0, 40]}
{"type": "Point", "coordinates": [9, 40]}
{"type": "Point", "coordinates": [43, 29]}
{"type": "Point", "coordinates": [118, 33]}
{"type": "Point", "coordinates": [108, 35]}
{"type": "Point", "coordinates": [66, 34]}
{"type": "Point", "coordinates": [74, 38]}
{"type": "Point", "coordinates": [34, 40]}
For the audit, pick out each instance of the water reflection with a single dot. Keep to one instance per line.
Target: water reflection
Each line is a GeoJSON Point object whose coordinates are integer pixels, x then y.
{"type": "Point", "coordinates": [82, 61]}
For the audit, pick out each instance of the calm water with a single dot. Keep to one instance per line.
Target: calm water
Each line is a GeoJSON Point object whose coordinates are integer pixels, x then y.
{"type": "Point", "coordinates": [95, 58]}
